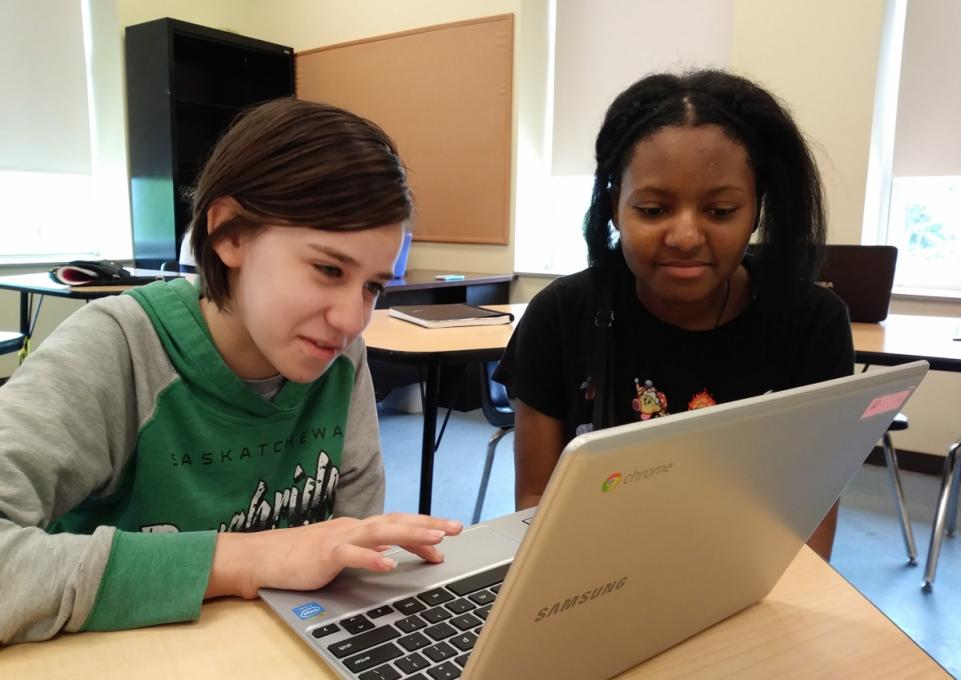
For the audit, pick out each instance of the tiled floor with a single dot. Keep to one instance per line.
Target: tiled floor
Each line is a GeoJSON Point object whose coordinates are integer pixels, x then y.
{"type": "Point", "coordinates": [868, 549]}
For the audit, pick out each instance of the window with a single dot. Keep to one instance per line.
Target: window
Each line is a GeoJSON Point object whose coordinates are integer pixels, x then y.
{"type": "Point", "coordinates": [924, 223]}
{"type": "Point", "coordinates": [62, 137]}
{"type": "Point", "coordinates": [923, 174]}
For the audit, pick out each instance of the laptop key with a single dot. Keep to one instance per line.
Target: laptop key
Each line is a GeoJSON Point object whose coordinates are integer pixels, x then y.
{"type": "Point", "coordinates": [357, 624]}
{"type": "Point", "coordinates": [361, 642]}
{"type": "Point", "coordinates": [435, 615]}
{"type": "Point", "coordinates": [462, 660]}
{"type": "Point", "coordinates": [435, 596]}
{"type": "Point", "coordinates": [464, 642]}
{"type": "Point", "coordinates": [496, 588]}
{"type": "Point", "coordinates": [440, 630]}
{"type": "Point", "coordinates": [409, 605]}
{"type": "Point", "coordinates": [419, 676]}
{"type": "Point", "coordinates": [483, 611]}
{"type": "Point", "coordinates": [325, 630]}
{"type": "Point", "coordinates": [482, 597]}
{"type": "Point", "coordinates": [410, 624]}
{"type": "Point", "coordinates": [460, 605]}
{"type": "Point", "coordinates": [412, 663]}
{"type": "Point", "coordinates": [413, 641]}
{"type": "Point", "coordinates": [380, 611]}
{"type": "Point", "coordinates": [382, 673]}
{"type": "Point", "coordinates": [374, 657]}
{"type": "Point", "coordinates": [465, 621]}
{"type": "Point", "coordinates": [476, 582]}
{"type": "Point", "coordinates": [445, 671]}
{"type": "Point", "coordinates": [439, 652]}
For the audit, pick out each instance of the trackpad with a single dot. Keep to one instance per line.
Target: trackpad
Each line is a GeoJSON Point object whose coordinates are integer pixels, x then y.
{"type": "Point", "coordinates": [476, 548]}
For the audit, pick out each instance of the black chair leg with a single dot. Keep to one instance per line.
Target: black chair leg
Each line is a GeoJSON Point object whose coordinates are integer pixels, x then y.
{"type": "Point", "coordinates": [485, 478]}
{"type": "Point", "coordinates": [891, 460]}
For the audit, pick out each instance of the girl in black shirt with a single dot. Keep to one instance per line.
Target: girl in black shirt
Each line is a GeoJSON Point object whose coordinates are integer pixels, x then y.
{"type": "Point", "coordinates": [672, 314]}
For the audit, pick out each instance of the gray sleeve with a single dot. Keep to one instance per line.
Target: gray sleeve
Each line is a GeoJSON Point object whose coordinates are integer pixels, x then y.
{"type": "Point", "coordinates": [360, 491]}
{"type": "Point", "coordinates": [68, 425]}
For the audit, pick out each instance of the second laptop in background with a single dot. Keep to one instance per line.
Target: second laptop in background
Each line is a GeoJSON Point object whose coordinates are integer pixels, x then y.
{"type": "Point", "coordinates": [862, 276]}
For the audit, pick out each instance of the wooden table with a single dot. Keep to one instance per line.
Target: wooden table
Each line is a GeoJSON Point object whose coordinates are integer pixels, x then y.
{"type": "Point", "coordinates": [397, 341]}
{"type": "Point", "coordinates": [419, 286]}
{"type": "Point", "coordinates": [904, 337]}
{"type": "Point", "coordinates": [812, 625]}
{"type": "Point", "coordinates": [40, 283]}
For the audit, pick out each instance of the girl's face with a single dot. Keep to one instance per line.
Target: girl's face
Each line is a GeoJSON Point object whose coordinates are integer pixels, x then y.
{"type": "Point", "coordinates": [685, 212]}
{"type": "Point", "coordinates": [300, 296]}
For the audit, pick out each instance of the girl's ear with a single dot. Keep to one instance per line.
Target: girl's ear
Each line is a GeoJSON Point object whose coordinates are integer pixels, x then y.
{"type": "Point", "coordinates": [231, 249]}
{"type": "Point", "coordinates": [614, 198]}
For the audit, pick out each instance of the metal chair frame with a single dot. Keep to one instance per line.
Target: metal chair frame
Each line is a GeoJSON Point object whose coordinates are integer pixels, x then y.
{"type": "Point", "coordinates": [499, 413]}
{"type": "Point", "coordinates": [946, 513]}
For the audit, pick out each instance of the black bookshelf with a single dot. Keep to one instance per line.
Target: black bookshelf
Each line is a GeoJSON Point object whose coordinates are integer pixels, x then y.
{"type": "Point", "coordinates": [185, 83]}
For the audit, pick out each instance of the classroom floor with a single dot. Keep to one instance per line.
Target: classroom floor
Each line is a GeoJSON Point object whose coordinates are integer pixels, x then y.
{"type": "Point", "coordinates": [868, 549]}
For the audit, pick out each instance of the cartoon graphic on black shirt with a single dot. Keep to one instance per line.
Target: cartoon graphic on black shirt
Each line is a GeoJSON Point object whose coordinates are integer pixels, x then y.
{"type": "Point", "coordinates": [650, 402]}
{"type": "Point", "coordinates": [702, 399]}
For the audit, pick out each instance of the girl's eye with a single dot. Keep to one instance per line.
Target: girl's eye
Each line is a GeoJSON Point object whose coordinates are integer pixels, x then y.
{"type": "Point", "coordinates": [650, 210]}
{"type": "Point", "coordinates": [722, 212]}
{"type": "Point", "coordinates": [374, 288]}
{"type": "Point", "coordinates": [329, 270]}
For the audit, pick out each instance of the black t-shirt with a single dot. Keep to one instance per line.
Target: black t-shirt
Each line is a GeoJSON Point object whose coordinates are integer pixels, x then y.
{"type": "Point", "coordinates": [659, 369]}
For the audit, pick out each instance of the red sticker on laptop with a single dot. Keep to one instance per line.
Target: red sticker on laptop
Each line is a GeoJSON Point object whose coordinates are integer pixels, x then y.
{"type": "Point", "coordinates": [886, 403]}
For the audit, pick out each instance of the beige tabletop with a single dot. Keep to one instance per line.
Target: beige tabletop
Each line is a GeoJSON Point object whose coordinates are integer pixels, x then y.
{"type": "Point", "coordinates": [899, 338]}
{"type": "Point", "coordinates": [904, 337]}
{"type": "Point", "coordinates": [386, 333]}
{"type": "Point", "coordinates": [812, 625]}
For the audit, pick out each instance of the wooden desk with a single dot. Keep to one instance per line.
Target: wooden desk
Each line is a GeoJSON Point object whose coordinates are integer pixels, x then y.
{"type": "Point", "coordinates": [421, 287]}
{"type": "Point", "coordinates": [418, 287]}
{"type": "Point", "coordinates": [903, 337]}
{"type": "Point", "coordinates": [812, 625]}
{"type": "Point", "coordinates": [397, 341]}
{"type": "Point", "coordinates": [40, 283]}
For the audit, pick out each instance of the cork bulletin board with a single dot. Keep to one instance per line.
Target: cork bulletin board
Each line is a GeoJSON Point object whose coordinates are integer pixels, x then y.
{"type": "Point", "coordinates": [443, 93]}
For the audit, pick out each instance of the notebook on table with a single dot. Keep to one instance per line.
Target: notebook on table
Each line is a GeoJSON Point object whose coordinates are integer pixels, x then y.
{"type": "Point", "coordinates": [647, 534]}
{"type": "Point", "coordinates": [450, 315]}
{"type": "Point", "coordinates": [862, 276]}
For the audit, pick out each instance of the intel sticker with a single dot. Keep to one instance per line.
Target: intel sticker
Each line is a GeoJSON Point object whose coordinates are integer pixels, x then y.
{"type": "Point", "coordinates": [308, 611]}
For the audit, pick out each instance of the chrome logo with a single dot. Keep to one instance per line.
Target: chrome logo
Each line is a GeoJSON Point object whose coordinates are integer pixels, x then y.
{"type": "Point", "coordinates": [611, 482]}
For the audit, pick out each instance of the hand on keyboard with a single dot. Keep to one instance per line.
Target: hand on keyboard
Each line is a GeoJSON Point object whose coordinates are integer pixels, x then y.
{"type": "Point", "coordinates": [309, 557]}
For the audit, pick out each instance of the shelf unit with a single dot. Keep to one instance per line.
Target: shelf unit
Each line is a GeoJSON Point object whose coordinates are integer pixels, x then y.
{"type": "Point", "coordinates": [185, 83]}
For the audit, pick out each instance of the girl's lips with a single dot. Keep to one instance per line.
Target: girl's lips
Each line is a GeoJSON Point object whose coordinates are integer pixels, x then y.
{"type": "Point", "coordinates": [324, 353]}
{"type": "Point", "coordinates": [684, 270]}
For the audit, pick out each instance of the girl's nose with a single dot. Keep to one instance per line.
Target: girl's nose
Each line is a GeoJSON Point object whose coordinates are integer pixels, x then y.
{"type": "Point", "coordinates": [348, 314]}
{"type": "Point", "coordinates": [684, 233]}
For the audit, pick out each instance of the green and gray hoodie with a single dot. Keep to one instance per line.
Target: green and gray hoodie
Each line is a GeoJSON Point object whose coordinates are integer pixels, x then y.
{"type": "Point", "coordinates": [126, 443]}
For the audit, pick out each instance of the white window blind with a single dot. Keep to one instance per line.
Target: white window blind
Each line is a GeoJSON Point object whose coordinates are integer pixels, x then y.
{"type": "Point", "coordinates": [602, 47]}
{"type": "Point", "coordinates": [598, 49]}
{"type": "Point", "coordinates": [62, 134]}
{"type": "Point", "coordinates": [44, 121]}
{"type": "Point", "coordinates": [924, 220]}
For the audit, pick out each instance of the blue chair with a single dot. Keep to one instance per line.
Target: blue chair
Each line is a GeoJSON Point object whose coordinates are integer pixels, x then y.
{"type": "Point", "coordinates": [497, 409]}
{"type": "Point", "coordinates": [10, 342]}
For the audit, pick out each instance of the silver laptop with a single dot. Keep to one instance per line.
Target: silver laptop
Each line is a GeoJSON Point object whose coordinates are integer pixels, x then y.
{"type": "Point", "coordinates": [647, 534]}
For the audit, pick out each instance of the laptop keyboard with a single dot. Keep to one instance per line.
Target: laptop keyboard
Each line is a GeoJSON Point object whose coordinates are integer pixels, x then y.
{"type": "Point", "coordinates": [425, 637]}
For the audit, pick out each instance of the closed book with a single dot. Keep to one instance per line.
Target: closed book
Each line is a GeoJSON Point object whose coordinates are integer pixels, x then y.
{"type": "Point", "coordinates": [447, 316]}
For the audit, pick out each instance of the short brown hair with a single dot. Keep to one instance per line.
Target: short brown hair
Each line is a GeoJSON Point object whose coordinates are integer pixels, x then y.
{"type": "Point", "coordinates": [290, 162]}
